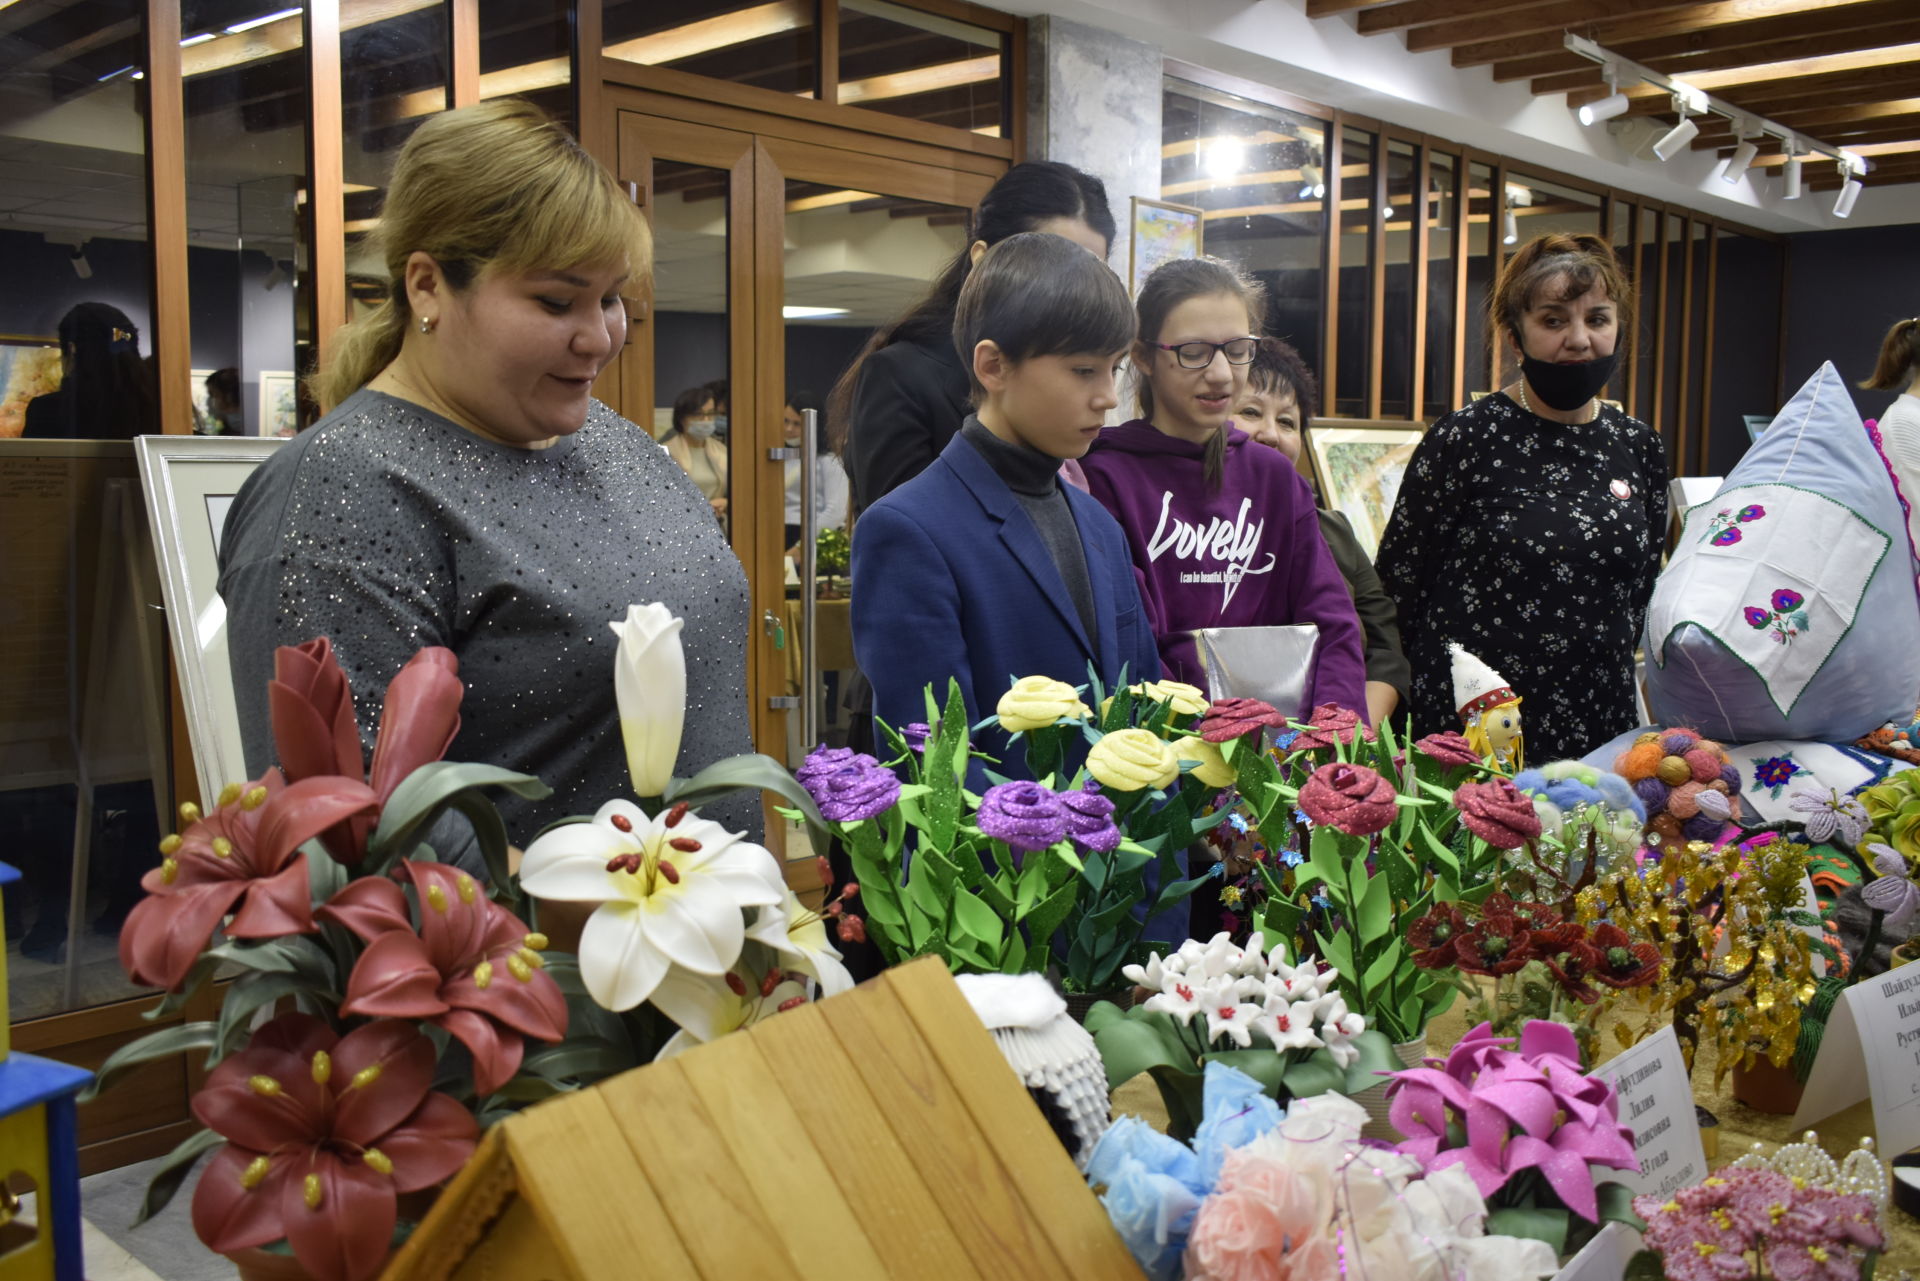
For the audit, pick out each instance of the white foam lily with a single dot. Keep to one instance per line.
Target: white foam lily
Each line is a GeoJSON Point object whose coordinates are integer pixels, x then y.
{"type": "Point", "coordinates": [671, 890]}
{"type": "Point", "coordinates": [799, 934]}
{"type": "Point", "coordinates": [707, 1007]}
{"type": "Point", "coordinates": [650, 685]}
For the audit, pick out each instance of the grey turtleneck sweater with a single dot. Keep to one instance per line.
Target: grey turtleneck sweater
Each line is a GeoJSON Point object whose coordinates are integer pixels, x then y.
{"type": "Point", "coordinates": [1034, 478]}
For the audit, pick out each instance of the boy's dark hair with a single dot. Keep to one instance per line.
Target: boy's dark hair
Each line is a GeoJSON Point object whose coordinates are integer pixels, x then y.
{"type": "Point", "coordinates": [1025, 196]}
{"type": "Point", "coordinates": [1278, 367]}
{"type": "Point", "coordinates": [1037, 294]}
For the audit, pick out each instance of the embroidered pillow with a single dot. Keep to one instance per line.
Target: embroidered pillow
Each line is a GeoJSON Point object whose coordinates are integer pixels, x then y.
{"type": "Point", "coordinates": [1772, 619]}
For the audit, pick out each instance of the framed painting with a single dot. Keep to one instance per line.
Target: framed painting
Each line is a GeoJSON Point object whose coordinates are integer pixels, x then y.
{"type": "Point", "coordinates": [29, 367]}
{"type": "Point", "coordinates": [1358, 466]}
{"type": "Point", "coordinates": [1161, 233]}
{"type": "Point", "coordinates": [279, 403]}
{"type": "Point", "coordinates": [202, 413]}
{"type": "Point", "coordinates": [190, 482]}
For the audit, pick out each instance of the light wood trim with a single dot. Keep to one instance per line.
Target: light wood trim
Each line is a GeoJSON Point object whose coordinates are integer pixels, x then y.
{"type": "Point", "coordinates": [1463, 185]}
{"type": "Point", "coordinates": [1659, 419]}
{"type": "Point", "coordinates": [826, 85]}
{"type": "Point", "coordinates": [170, 333]}
{"type": "Point", "coordinates": [864, 171]}
{"type": "Point", "coordinates": [1706, 353]}
{"type": "Point", "coordinates": [1497, 254]}
{"type": "Point", "coordinates": [1685, 427]}
{"type": "Point", "coordinates": [1420, 259]}
{"type": "Point", "coordinates": [715, 95]}
{"type": "Point", "coordinates": [1330, 273]}
{"type": "Point", "coordinates": [962, 11]}
{"type": "Point", "coordinates": [666, 106]}
{"type": "Point", "coordinates": [593, 118]}
{"type": "Point", "coordinates": [1376, 275]}
{"type": "Point", "coordinates": [759, 535]}
{"type": "Point", "coordinates": [1015, 82]}
{"type": "Point", "coordinates": [325, 145]}
{"type": "Point", "coordinates": [463, 53]}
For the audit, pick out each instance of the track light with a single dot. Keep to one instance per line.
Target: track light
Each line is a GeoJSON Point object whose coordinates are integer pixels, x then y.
{"type": "Point", "coordinates": [1510, 228]}
{"type": "Point", "coordinates": [1792, 174]}
{"type": "Point", "coordinates": [1312, 185]}
{"type": "Point", "coordinates": [1614, 104]}
{"type": "Point", "coordinates": [84, 269]}
{"type": "Point", "coordinates": [1743, 155]}
{"type": "Point", "coordinates": [1849, 192]}
{"type": "Point", "coordinates": [1677, 137]}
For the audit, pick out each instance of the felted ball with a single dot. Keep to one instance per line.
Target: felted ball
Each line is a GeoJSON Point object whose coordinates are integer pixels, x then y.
{"type": "Point", "coordinates": [1701, 828]}
{"type": "Point", "coordinates": [1705, 764]}
{"type": "Point", "coordinates": [1652, 793]}
{"type": "Point", "coordinates": [1682, 804]}
{"type": "Point", "coordinates": [1666, 827]}
{"type": "Point", "coordinates": [1619, 794]}
{"type": "Point", "coordinates": [1673, 770]}
{"type": "Point", "coordinates": [1639, 761]}
{"type": "Point", "coordinates": [1730, 775]}
{"type": "Point", "coordinates": [1678, 742]}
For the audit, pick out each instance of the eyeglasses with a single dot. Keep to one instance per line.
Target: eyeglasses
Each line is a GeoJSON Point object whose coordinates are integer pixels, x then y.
{"type": "Point", "coordinates": [1198, 355]}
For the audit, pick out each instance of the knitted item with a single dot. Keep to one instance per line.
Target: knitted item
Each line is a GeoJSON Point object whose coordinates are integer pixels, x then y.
{"type": "Point", "coordinates": [1054, 1057]}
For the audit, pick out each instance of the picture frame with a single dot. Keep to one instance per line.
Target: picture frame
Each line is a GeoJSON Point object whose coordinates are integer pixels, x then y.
{"type": "Point", "coordinates": [1357, 467]}
{"type": "Point", "coordinates": [1162, 232]}
{"type": "Point", "coordinates": [29, 367]}
{"type": "Point", "coordinates": [189, 483]}
{"type": "Point", "coordinates": [279, 402]}
{"type": "Point", "coordinates": [202, 412]}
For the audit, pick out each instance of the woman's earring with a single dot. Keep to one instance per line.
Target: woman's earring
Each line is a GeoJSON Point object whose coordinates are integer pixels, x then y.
{"type": "Point", "coordinates": [426, 325]}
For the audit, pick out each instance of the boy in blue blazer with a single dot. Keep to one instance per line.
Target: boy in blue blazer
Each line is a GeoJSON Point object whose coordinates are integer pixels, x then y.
{"type": "Point", "coordinates": [985, 567]}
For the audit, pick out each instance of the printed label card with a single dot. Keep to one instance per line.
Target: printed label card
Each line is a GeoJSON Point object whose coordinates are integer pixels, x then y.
{"type": "Point", "coordinates": [1875, 1026]}
{"type": "Point", "coordinates": [1656, 1103]}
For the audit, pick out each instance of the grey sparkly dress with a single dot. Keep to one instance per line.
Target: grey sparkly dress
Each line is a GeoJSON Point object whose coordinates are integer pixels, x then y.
{"type": "Point", "coordinates": [387, 528]}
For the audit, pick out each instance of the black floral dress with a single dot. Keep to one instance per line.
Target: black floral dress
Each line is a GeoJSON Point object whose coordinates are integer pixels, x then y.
{"type": "Point", "coordinates": [1534, 544]}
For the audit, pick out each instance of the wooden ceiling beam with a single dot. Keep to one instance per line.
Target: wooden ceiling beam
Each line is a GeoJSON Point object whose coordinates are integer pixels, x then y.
{"type": "Point", "coordinates": [1680, 36]}
{"type": "Point", "coordinates": [1775, 98]}
{"type": "Point", "coordinates": [1419, 13]}
{"type": "Point", "coordinates": [1327, 8]}
{"type": "Point", "coordinates": [1533, 20]}
{"type": "Point", "coordinates": [1829, 179]}
{"type": "Point", "coordinates": [1795, 49]}
{"type": "Point", "coordinates": [1801, 77]}
{"type": "Point", "coordinates": [1836, 135]}
{"type": "Point", "coordinates": [1818, 119]}
{"type": "Point", "coordinates": [1624, 32]}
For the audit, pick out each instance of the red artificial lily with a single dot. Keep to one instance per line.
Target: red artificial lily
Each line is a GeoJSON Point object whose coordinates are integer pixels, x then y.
{"type": "Point", "coordinates": [315, 732]}
{"type": "Point", "coordinates": [243, 858]}
{"type": "Point", "coordinates": [323, 1133]}
{"type": "Point", "coordinates": [470, 969]}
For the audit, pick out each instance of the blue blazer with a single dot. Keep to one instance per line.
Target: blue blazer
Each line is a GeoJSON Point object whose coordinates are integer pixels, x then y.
{"type": "Point", "coordinates": [950, 578]}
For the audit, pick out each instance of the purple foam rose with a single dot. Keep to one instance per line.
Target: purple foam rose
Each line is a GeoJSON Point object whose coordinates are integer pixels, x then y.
{"type": "Point", "coordinates": [916, 735]}
{"type": "Point", "coordinates": [857, 790]}
{"type": "Point", "coordinates": [1090, 820]}
{"type": "Point", "coordinates": [821, 761]}
{"type": "Point", "coordinates": [1026, 816]}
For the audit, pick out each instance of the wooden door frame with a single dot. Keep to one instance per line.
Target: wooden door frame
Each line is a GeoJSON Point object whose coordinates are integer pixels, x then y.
{"type": "Point", "coordinates": [759, 150]}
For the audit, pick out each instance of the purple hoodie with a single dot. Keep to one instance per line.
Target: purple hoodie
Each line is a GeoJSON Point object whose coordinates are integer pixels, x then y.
{"type": "Point", "coordinates": [1250, 555]}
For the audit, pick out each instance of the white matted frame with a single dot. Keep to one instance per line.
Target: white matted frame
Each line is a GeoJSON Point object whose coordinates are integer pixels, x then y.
{"type": "Point", "coordinates": [1161, 233]}
{"type": "Point", "coordinates": [1358, 466]}
{"type": "Point", "coordinates": [279, 402]}
{"type": "Point", "coordinates": [189, 483]}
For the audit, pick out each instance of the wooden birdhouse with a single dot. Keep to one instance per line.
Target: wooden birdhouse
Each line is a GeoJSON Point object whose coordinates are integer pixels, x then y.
{"type": "Point", "coordinates": [39, 1144]}
{"type": "Point", "coordinates": [876, 1134]}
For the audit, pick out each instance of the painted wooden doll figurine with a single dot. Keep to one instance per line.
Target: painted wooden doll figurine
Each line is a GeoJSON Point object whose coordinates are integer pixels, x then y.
{"type": "Point", "coordinates": [1489, 711]}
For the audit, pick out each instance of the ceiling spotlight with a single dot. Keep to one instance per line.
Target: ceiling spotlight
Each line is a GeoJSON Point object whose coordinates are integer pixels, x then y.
{"type": "Point", "coordinates": [1312, 185]}
{"type": "Point", "coordinates": [1226, 157]}
{"type": "Point", "coordinates": [1792, 174]}
{"type": "Point", "coordinates": [1677, 137]}
{"type": "Point", "coordinates": [1743, 156]}
{"type": "Point", "coordinates": [81, 267]}
{"type": "Point", "coordinates": [1614, 104]}
{"type": "Point", "coordinates": [1510, 228]}
{"type": "Point", "coordinates": [1851, 167]}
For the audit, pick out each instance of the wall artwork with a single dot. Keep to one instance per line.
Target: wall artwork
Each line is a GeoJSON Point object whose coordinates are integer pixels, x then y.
{"type": "Point", "coordinates": [202, 413]}
{"type": "Point", "coordinates": [29, 367]}
{"type": "Point", "coordinates": [1161, 233]}
{"type": "Point", "coordinates": [1358, 467]}
{"type": "Point", "coordinates": [279, 403]}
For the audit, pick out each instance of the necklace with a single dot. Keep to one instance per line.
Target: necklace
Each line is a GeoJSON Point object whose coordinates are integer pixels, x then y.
{"type": "Point", "coordinates": [1593, 410]}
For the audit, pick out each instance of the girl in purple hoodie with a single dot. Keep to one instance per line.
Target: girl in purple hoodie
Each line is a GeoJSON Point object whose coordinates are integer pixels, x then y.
{"type": "Point", "coordinates": [1222, 533]}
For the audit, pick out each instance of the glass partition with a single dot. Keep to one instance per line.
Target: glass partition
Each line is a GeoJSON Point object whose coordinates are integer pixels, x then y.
{"type": "Point", "coordinates": [1439, 395]}
{"type": "Point", "coordinates": [1402, 218]}
{"type": "Point", "coordinates": [1541, 208]}
{"type": "Point", "coordinates": [692, 347]}
{"type": "Point", "coordinates": [1484, 222]}
{"type": "Point", "coordinates": [1357, 212]}
{"type": "Point", "coordinates": [767, 45]}
{"type": "Point", "coordinates": [903, 62]}
{"type": "Point", "coordinates": [526, 52]}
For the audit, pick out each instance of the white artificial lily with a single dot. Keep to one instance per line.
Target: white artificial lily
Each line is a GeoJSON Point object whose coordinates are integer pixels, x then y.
{"type": "Point", "coordinates": [1288, 1025]}
{"type": "Point", "coordinates": [1229, 1016]}
{"type": "Point", "coordinates": [1154, 973]}
{"type": "Point", "coordinates": [669, 895]}
{"type": "Point", "coordinates": [1181, 998]}
{"type": "Point", "coordinates": [650, 683]}
{"type": "Point", "coordinates": [708, 1007]}
{"type": "Point", "coordinates": [799, 934]}
{"type": "Point", "coordinates": [1338, 1032]}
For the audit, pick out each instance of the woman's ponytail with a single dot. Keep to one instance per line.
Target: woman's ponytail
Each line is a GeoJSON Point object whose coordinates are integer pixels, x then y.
{"type": "Point", "coordinates": [361, 350]}
{"type": "Point", "coordinates": [1899, 357]}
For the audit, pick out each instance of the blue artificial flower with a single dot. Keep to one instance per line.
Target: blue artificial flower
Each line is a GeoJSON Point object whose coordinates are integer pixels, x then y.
{"type": "Point", "coordinates": [1237, 1110]}
{"type": "Point", "coordinates": [1153, 1190]}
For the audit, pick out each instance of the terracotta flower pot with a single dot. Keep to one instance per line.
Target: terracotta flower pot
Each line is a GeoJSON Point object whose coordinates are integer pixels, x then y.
{"type": "Point", "coordinates": [1766, 1088]}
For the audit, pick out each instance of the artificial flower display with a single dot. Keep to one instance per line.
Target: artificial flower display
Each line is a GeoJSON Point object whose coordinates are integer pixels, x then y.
{"type": "Point", "coordinates": [1758, 1223]}
{"type": "Point", "coordinates": [1893, 812]}
{"type": "Point", "coordinates": [1216, 1002]}
{"type": "Point", "coordinates": [1267, 1195]}
{"type": "Point", "coordinates": [1499, 1112]}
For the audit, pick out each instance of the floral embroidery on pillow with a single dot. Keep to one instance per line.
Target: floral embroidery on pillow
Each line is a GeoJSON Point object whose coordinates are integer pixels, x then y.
{"type": "Point", "coordinates": [1774, 773]}
{"type": "Point", "coordinates": [1786, 620]}
{"type": "Point", "coordinates": [1724, 529]}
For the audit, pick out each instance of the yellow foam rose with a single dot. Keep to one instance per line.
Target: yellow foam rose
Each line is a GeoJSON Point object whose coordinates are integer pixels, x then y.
{"type": "Point", "coordinates": [1036, 702]}
{"type": "Point", "coordinates": [1212, 768]}
{"type": "Point", "coordinates": [1187, 700]}
{"type": "Point", "coordinates": [1130, 760]}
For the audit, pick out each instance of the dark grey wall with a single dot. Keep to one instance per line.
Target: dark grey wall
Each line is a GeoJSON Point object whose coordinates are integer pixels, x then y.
{"type": "Point", "coordinates": [690, 348]}
{"type": "Point", "coordinates": [1845, 289]}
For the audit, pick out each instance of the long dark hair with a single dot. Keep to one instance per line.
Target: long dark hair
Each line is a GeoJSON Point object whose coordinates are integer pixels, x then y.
{"type": "Point", "coordinates": [1171, 284]}
{"type": "Point", "coordinates": [1899, 357]}
{"type": "Point", "coordinates": [1026, 196]}
{"type": "Point", "coordinates": [106, 390]}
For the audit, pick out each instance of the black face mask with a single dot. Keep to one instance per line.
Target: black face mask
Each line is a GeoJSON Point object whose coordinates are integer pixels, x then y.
{"type": "Point", "coordinates": [1567, 387]}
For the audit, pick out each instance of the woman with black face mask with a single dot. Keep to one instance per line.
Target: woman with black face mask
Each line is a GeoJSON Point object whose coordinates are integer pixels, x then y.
{"type": "Point", "coordinates": [1530, 524]}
